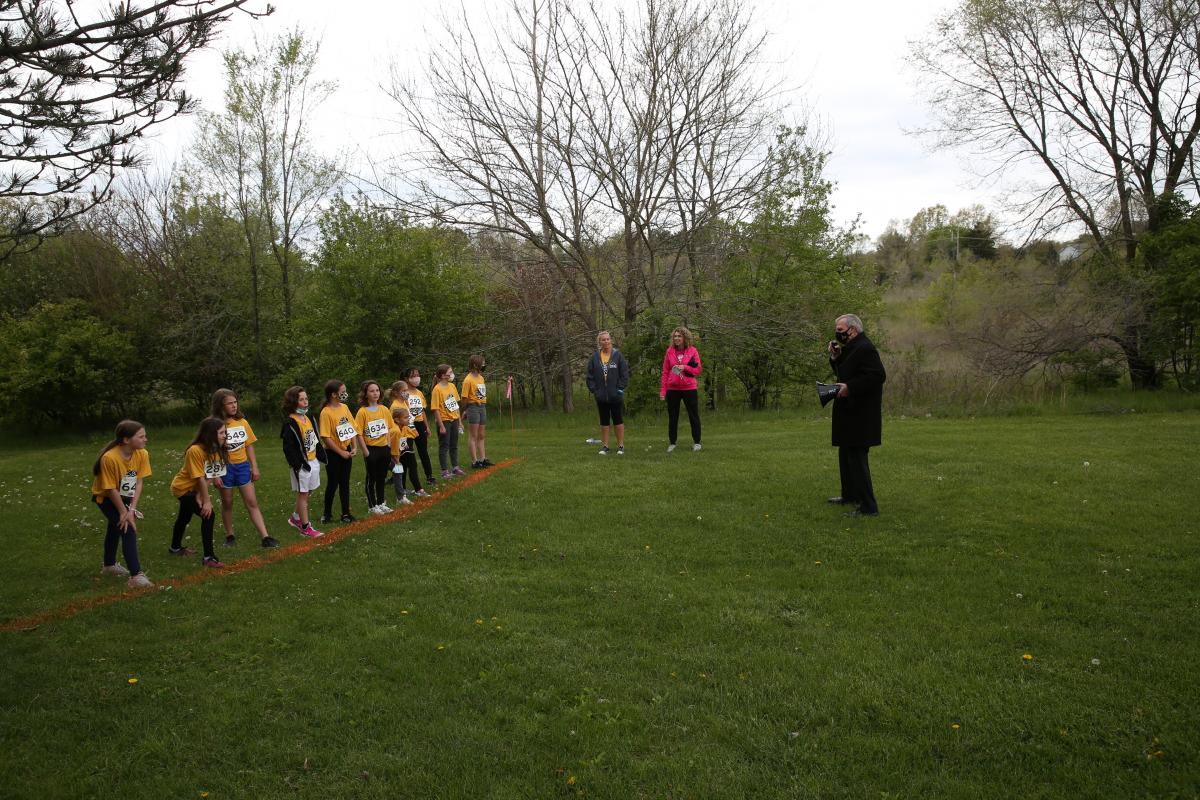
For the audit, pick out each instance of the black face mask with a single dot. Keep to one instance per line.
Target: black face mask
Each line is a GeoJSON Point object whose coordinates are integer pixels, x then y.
{"type": "Point", "coordinates": [842, 336]}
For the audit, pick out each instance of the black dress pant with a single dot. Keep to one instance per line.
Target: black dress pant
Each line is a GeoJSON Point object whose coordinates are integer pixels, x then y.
{"type": "Point", "coordinates": [692, 403]}
{"type": "Point", "coordinates": [856, 478]}
{"type": "Point", "coordinates": [337, 479]}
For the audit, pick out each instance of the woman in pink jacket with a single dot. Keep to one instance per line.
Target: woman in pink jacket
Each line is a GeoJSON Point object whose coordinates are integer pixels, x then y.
{"type": "Point", "coordinates": [681, 367]}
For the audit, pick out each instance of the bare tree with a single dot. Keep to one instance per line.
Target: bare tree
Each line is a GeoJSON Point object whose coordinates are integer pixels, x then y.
{"type": "Point", "coordinates": [76, 92]}
{"type": "Point", "coordinates": [1101, 97]}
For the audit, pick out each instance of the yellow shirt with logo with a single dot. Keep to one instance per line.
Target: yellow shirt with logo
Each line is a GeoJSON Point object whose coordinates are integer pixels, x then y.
{"type": "Point", "coordinates": [238, 434]}
{"type": "Point", "coordinates": [376, 426]}
{"type": "Point", "coordinates": [117, 472]}
{"type": "Point", "coordinates": [198, 465]}
{"type": "Point", "coordinates": [308, 433]}
{"type": "Point", "coordinates": [445, 401]}
{"type": "Point", "coordinates": [416, 404]}
{"type": "Point", "coordinates": [406, 430]}
{"type": "Point", "coordinates": [336, 424]}
{"type": "Point", "coordinates": [474, 391]}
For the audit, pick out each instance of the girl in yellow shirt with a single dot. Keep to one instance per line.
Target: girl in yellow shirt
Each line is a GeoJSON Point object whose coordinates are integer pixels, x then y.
{"type": "Point", "coordinates": [374, 422]}
{"type": "Point", "coordinates": [444, 404]}
{"type": "Point", "coordinates": [242, 471]}
{"type": "Point", "coordinates": [341, 437]}
{"type": "Point", "coordinates": [116, 488]}
{"type": "Point", "coordinates": [204, 462]}
{"type": "Point", "coordinates": [474, 396]}
{"type": "Point", "coordinates": [404, 433]}
{"type": "Point", "coordinates": [416, 404]}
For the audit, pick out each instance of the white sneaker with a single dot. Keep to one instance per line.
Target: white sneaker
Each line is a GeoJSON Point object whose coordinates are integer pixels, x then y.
{"type": "Point", "coordinates": [670, 448]}
{"type": "Point", "coordinates": [384, 508]}
{"type": "Point", "coordinates": [404, 501]}
{"type": "Point", "coordinates": [140, 581]}
{"type": "Point", "coordinates": [376, 510]}
{"type": "Point", "coordinates": [115, 569]}
{"type": "Point", "coordinates": [696, 447]}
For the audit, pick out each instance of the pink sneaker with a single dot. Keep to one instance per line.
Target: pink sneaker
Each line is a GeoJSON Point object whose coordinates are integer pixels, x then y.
{"type": "Point", "coordinates": [458, 471]}
{"type": "Point", "coordinates": [295, 523]}
{"type": "Point", "coordinates": [212, 562]}
{"type": "Point", "coordinates": [311, 532]}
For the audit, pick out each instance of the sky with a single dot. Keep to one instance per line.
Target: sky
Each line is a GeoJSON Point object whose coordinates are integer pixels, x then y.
{"type": "Point", "coordinates": [843, 60]}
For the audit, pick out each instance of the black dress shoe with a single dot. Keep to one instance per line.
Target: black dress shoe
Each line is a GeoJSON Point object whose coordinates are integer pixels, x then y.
{"type": "Point", "coordinates": [858, 512]}
{"type": "Point", "coordinates": [839, 501]}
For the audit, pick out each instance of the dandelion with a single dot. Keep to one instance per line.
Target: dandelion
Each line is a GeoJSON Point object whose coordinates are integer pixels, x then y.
{"type": "Point", "coordinates": [441, 646]}
{"type": "Point", "coordinates": [1087, 463]}
{"type": "Point", "coordinates": [954, 726]}
{"type": "Point", "coordinates": [1095, 662]}
{"type": "Point", "coordinates": [479, 621]}
{"type": "Point", "coordinates": [404, 612]}
{"type": "Point", "coordinates": [570, 780]}
{"type": "Point", "coordinates": [133, 681]}
{"type": "Point", "coordinates": [940, 478]}
{"type": "Point", "coordinates": [1020, 596]}
{"type": "Point", "coordinates": [1027, 657]}
{"type": "Point", "coordinates": [818, 563]}
{"type": "Point", "coordinates": [699, 517]}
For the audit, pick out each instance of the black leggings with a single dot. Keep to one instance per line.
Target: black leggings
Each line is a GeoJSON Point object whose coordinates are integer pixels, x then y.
{"type": "Point", "coordinates": [337, 474]}
{"type": "Point", "coordinates": [379, 461]}
{"type": "Point", "coordinates": [688, 396]}
{"type": "Point", "coordinates": [189, 506]}
{"type": "Point", "coordinates": [409, 462]}
{"type": "Point", "coordinates": [422, 441]}
{"type": "Point", "coordinates": [113, 535]}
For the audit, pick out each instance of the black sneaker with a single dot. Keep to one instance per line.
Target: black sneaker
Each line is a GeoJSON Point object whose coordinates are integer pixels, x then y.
{"type": "Point", "coordinates": [181, 551]}
{"type": "Point", "coordinates": [476, 464]}
{"type": "Point", "coordinates": [270, 541]}
{"type": "Point", "coordinates": [230, 541]}
{"type": "Point", "coordinates": [486, 463]}
{"type": "Point", "coordinates": [430, 480]}
{"type": "Point", "coordinates": [347, 518]}
{"type": "Point", "coordinates": [326, 519]}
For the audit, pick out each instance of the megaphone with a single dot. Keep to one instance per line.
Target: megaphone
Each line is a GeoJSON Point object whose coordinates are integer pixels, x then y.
{"type": "Point", "coordinates": [826, 392]}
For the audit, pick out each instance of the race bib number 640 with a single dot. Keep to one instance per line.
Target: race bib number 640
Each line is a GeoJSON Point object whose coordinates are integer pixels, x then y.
{"type": "Point", "coordinates": [345, 432]}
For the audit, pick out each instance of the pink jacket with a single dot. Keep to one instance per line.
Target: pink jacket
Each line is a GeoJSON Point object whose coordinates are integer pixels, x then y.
{"type": "Point", "coordinates": [689, 359]}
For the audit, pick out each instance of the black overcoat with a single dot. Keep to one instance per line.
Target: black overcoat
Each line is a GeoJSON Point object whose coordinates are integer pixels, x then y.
{"type": "Point", "coordinates": [858, 417]}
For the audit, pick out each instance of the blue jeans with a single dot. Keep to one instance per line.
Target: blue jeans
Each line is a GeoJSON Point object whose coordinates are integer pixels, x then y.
{"type": "Point", "coordinates": [114, 535]}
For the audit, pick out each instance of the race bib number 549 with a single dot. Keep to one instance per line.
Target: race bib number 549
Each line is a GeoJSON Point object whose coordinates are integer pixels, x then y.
{"type": "Point", "coordinates": [235, 437]}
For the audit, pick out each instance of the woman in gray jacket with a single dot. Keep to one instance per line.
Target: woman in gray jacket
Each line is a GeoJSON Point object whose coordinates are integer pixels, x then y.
{"type": "Point", "coordinates": [607, 377]}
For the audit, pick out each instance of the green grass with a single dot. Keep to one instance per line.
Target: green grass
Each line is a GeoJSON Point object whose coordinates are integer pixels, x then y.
{"type": "Point", "coordinates": [692, 625]}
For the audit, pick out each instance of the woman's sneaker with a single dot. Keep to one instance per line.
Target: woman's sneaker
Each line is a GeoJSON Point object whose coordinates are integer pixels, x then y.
{"type": "Point", "coordinates": [311, 532]}
{"type": "Point", "coordinates": [621, 450]}
{"type": "Point", "coordinates": [421, 493]}
{"type": "Point", "coordinates": [457, 471]}
{"type": "Point", "coordinates": [486, 463]}
{"type": "Point", "coordinates": [270, 541]}
{"type": "Point", "coordinates": [231, 540]}
{"type": "Point", "coordinates": [326, 519]}
{"type": "Point", "coordinates": [384, 508]}
{"type": "Point", "coordinates": [140, 581]}
{"type": "Point", "coordinates": [404, 501]}
{"type": "Point", "coordinates": [181, 551]}
{"type": "Point", "coordinates": [113, 569]}
{"type": "Point", "coordinates": [347, 518]}
{"type": "Point", "coordinates": [670, 448]}
{"type": "Point", "coordinates": [211, 562]}
{"type": "Point", "coordinates": [604, 450]}
{"type": "Point", "coordinates": [294, 521]}
{"type": "Point", "coordinates": [446, 475]}
{"type": "Point", "coordinates": [696, 447]}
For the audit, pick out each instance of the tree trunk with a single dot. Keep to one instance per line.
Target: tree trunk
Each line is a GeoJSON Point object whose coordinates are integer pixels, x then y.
{"type": "Point", "coordinates": [567, 376]}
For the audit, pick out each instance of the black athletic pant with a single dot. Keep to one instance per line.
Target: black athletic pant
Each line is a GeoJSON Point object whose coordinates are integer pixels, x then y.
{"type": "Point", "coordinates": [113, 535]}
{"type": "Point", "coordinates": [422, 441]}
{"type": "Point", "coordinates": [409, 462]}
{"type": "Point", "coordinates": [337, 479]}
{"type": "Point", "coordinates": [189, 506]}
{"type": "Point", "coordinates": [856, 478]}
{"type": "Point", "coordinates": [379, 461]}
{"type": "Point", "coordinates": [690, 401]}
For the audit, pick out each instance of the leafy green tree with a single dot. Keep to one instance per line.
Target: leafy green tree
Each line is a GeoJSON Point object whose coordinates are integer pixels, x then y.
{"type": "Point", "coordinates": [60, 362]}
{"type": "Point", "coordinates": [774, 301]}
{"type": "Point", "coordinates": [384, 294]}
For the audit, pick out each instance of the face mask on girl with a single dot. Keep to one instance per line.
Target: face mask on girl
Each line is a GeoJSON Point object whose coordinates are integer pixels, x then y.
{"type": "Point", "coordinates": [343, 396]}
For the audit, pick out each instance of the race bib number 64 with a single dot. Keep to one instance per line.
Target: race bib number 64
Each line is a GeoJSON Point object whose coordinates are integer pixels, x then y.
{"type": "Point", "coordinates": [128, 484]}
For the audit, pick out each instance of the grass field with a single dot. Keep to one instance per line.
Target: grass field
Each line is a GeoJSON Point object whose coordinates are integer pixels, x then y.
{"type": "Point", "coordinates": [1022, 620]}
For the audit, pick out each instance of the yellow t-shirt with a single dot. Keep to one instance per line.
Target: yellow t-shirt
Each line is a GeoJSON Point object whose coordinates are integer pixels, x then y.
{"type": "Point", "coordinates": [474, 391]}
{"type": "Point", "coordinates": [445, 401]}
{"type": "Point", "coordinates": [399, 440]}
{"type": "Point", "coordinates": [308, 433]}
{"type": "Point", "coordinates": [416, 404]}
{"type": "Point", "coordinates": [116, 472]}
{"type": "Point", "coordinates": [604, 357]}
{"type": "Point", "coordinates": [198, 465]}
{"type": "Point", "coordinates": [238, 434]}
{"type": "Point", "coordinates": [339, 426]}
{"type": "Point", "coordinates": [375, 425]}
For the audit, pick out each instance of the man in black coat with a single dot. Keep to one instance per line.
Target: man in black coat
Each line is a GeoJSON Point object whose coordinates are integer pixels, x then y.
{"type": "Point", "coordinates": [857, 411]}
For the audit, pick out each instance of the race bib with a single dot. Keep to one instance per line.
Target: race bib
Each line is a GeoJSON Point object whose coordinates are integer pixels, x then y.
{"type": "Point", "coordinates": [345, 431]}
{"type": "Point", "coordinates": [235, 437]}
{"type": "Point", "coordinates": [481, 392]}
{"type": "Point", "coordinates": [415, 406]}
{"type": "Point", "coordinates": [452, 403]}
{"type": "Point", "coordinates": [310, 440]}
{"type": "Point", "coordinates": [403, 444]}
{"type": "Point", "coordinates": [214, 469]}
{"type": "Point", "coordinates": [128, 484]}
{"type": "Point", "coordinates": [376, 429]}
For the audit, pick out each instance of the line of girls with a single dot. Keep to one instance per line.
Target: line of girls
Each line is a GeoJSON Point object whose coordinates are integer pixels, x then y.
{"type": "Point", "coordinates": [222, 456]}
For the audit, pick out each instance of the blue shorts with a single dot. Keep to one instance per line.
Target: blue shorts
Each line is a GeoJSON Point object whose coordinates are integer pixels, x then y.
{"type": "Point", "coordinates": [236, 475]}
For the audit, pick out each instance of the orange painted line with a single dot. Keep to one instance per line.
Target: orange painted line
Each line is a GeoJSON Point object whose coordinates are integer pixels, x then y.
{"type": "Point", "coordinates": [257, 561]}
